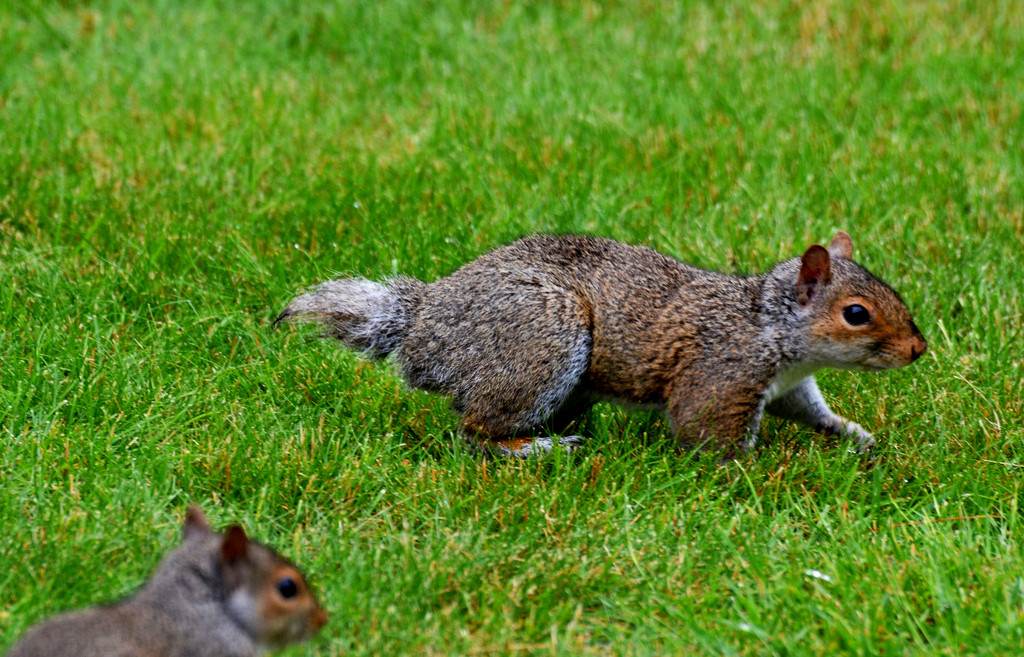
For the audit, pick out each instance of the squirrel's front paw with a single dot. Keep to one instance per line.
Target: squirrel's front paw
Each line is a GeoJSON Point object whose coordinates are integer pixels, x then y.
{"type": "Point", "coordinates": [865, 441]}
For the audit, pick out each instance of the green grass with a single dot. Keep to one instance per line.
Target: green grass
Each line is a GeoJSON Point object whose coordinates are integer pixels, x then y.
{"type": "Point", "coordinates": [171, 173]}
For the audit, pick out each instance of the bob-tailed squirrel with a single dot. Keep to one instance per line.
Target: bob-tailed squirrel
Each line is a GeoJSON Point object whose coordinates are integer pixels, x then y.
{"type": "Point", "coordinates": [213, 596]}
{"type": "Point", "coordinates": [529, 335]}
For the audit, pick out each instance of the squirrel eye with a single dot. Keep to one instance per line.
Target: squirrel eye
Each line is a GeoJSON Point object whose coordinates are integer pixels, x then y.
{"type": "Point", "coordinates": [287, 587]}
{"type": "Point", "coordinates": [856, 315]}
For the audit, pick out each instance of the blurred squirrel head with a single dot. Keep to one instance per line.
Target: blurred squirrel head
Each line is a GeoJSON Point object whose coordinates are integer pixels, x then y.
{"type": "Point", "coordinates": [855, 320]}
{"type": "Point", "coordinates": [266, 593]}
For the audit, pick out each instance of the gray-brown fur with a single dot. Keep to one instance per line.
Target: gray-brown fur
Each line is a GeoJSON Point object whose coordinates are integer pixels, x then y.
{"type": "Point", "coordinates": [213, 596]}
{"type": "Point", "coordinates": [530, 334]}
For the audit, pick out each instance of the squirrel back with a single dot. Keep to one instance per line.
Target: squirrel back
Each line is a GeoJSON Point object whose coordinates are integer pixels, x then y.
{"type": "Point", "coordinates": [213, 596]}
{"type": "Point", "coordinates": [527, 336]}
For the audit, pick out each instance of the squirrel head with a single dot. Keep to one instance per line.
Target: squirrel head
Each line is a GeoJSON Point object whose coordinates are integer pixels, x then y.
{"type": "Point", "coordinates": [265, 592]}
{"type": "Point", "coordinates": [854, 319]}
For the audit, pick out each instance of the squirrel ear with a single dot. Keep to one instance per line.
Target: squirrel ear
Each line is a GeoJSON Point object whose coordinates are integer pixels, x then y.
{"type": "Point", "coordinates": [235, 546]}
{"type": "Point", "coordinates": [841, 246]}
{"type": "Point", "coordinates": [815, 272]}
{"type": "Point", "coordinates": [195, 522]}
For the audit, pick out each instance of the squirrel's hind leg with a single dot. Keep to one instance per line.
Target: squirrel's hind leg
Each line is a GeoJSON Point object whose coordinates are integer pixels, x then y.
{"type": "Point", "coordinates": [495, 435]}
{"type": "Point", "coordinates": [522, 447]}
{"type": "Point", "coordinates": [516, 419]}
{"type": "Point", "coordinates": [512, 353]}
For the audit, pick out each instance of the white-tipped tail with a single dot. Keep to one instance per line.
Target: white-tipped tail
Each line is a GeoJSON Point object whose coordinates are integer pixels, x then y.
{"type": "Point", "coordinates": [365, 315]}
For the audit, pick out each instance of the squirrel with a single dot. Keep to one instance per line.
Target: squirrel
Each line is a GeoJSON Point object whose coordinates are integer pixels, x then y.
{"type": "Point", "coordinates": [215, 595]}
{"type": "Point", "coordinates": [531, 334]}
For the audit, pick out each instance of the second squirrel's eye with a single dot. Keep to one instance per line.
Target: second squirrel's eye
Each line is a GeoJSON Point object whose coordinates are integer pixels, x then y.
{"type": "Point", "coordinates": [287, 587]}
{"type": "Point", "coordinates": [856, 315]}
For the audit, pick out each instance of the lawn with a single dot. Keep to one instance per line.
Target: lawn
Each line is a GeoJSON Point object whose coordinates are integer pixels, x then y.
{"type": "Point", "coordinates": [172, 173]}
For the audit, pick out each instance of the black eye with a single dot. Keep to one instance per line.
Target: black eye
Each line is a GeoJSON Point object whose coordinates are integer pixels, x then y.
{"type": "Point", "coordinates": [287, 587]}
{"type": "Point", "coordinates": [856, 315]}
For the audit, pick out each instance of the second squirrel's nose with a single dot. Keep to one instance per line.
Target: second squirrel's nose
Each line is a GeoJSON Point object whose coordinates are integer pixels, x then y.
{"type": "Point", "coordinates": [319, 619]}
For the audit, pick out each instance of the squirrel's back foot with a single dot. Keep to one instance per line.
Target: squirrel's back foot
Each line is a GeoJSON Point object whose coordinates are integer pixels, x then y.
{"type": "Point", "coordinates": [526, 447]}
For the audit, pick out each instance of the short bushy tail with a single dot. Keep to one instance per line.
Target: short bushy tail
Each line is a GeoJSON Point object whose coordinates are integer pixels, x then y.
{"type": "Point", "coordinates": [369, 316]}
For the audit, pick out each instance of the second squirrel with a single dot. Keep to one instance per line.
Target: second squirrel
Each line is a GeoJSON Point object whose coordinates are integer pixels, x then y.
{"type": "Point", "coordinates": [528, 336]}
{"type": "Point", "coordinates": [214, 596]}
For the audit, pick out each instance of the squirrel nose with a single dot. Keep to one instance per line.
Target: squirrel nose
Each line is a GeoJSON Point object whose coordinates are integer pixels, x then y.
{"type": "Point", "coordinates": [319, 619]}
{"type": "Point", "coordinates": [917, 349]}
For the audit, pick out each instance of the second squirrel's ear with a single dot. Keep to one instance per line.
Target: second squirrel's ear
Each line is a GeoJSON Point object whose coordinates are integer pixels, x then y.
{"type": "Point", "coordinates": [841, 246]}
{"type": "Point", "coordinates": [235, 546]}
{"type": "Point", "coordinates": [815, 272]}
{"type": "Point", "coordinates": [195, 523]}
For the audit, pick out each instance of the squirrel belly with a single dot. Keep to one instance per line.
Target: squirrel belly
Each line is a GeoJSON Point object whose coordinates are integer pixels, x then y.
{"type": "Point", "coordinates": [529, 335]}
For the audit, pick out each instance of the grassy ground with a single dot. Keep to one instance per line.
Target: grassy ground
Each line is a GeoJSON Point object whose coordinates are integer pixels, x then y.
{"type": "Point", "coordinates": [171, 173]}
